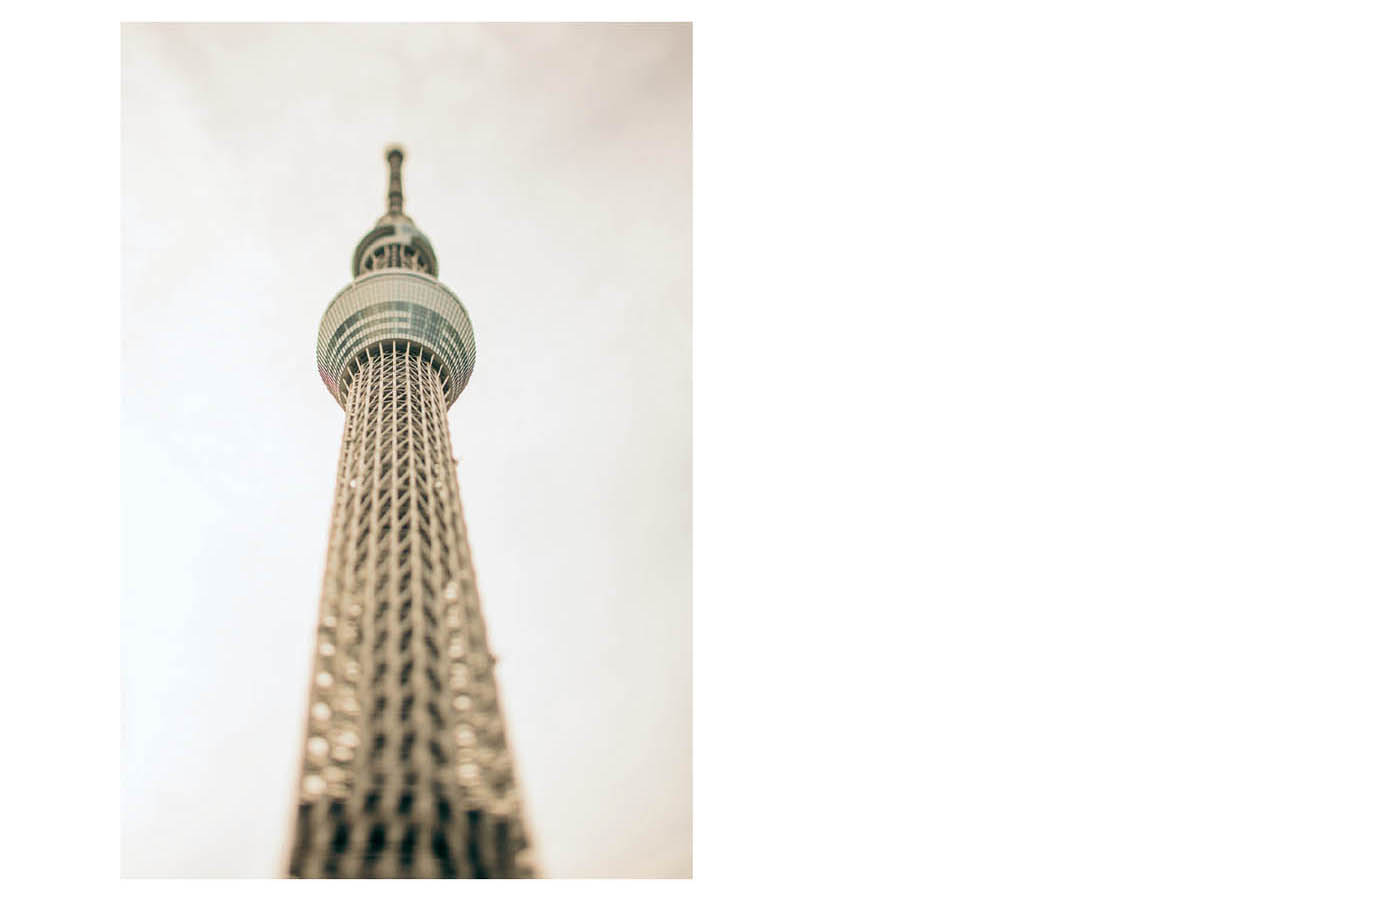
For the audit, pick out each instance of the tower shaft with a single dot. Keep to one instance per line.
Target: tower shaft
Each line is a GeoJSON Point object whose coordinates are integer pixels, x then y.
{"type": "Point", "coordinates": [406, 769]}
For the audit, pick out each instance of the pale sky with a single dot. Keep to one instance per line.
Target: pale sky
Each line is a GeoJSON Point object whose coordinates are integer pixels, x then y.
{"type": "Point", "coordinates": [551, 167]}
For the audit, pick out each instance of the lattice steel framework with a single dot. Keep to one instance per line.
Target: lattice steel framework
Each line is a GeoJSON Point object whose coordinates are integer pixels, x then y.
{"type": "Point", "coordinates": [406, 768]}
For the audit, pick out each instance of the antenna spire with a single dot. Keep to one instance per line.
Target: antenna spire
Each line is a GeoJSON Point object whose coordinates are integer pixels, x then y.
{"type": "Point", "coordinates": [394, 154]}
{"type": "Point", "coordinates": [394, 242]}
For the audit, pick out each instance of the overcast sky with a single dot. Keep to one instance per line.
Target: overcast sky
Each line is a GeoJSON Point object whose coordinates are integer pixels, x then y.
{"type": "Point", "coordinates": [551, 168]}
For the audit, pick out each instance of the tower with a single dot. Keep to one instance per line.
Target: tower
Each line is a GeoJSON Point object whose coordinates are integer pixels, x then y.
{"type": "Point", "coordinates": [405, 767]}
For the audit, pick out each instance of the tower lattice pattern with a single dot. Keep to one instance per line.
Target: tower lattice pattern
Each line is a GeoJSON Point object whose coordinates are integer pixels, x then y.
{"type": "Point", "coordinates": [406, 770]}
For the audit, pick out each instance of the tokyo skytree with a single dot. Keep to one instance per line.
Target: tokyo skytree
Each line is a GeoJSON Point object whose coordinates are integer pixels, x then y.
{"type": "Point", "coordinates": [406, 772]}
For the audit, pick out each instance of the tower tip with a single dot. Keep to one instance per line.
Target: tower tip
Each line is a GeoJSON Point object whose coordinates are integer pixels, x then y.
{"type": "Point", "coordinates": [394, 154]}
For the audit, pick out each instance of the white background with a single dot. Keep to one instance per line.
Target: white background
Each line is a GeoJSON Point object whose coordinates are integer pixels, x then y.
{"type": "Point", "coordinates": [550, 166]}
{"type": "Point", "coordinates": [1046, 450]}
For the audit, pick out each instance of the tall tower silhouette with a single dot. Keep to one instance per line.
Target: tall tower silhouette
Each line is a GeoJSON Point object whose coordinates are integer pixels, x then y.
{"type": "Point", "coordinates": [406, 771]}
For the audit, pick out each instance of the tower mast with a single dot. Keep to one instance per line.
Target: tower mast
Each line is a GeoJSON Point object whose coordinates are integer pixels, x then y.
{"type": "Point", "coordinates": [406, 771]}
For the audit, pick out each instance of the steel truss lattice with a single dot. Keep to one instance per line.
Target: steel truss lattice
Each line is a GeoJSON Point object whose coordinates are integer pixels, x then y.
{"type": "Point", "coordinates": [407, 771]}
